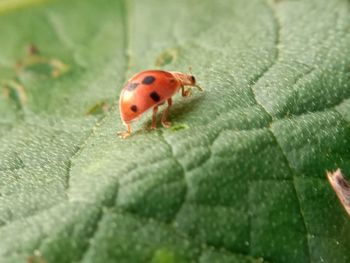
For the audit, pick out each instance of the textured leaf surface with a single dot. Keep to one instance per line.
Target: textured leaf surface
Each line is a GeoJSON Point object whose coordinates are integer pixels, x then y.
{"type": "Point", "coordinates": [241, 178]}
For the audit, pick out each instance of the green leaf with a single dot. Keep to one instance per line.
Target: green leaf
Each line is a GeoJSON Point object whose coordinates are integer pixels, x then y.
{"type": "Point", "coordinates": [241, 176]}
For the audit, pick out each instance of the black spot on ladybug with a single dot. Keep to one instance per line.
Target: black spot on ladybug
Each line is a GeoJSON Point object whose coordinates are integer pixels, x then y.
{"type": "Point", "coordinates": [172, 81]}
{"type": "Point", "coordinates": [133, 108]}
{"type": "Point", "coordinates": [155, 96]}
{"type": "Point", "coordinates": [193, 79]}
{"type": "Point", "coordinates": [132, 86]}
{"type": "Point", "coordinates": [148, 80]}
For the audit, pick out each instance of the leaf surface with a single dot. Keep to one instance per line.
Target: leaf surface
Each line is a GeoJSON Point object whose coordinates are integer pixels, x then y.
{"type": "Point", "coordinates": [242, 179]}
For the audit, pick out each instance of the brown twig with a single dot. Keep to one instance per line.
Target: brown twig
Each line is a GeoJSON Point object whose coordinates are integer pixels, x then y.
{"type": "Point", "coordinates": [341, 188]}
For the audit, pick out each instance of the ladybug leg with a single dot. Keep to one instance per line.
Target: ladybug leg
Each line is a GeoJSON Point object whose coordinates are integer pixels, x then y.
{"type": "Point", "coordinates": [199, 88]}
{"type": "Point", "coordinates": [165, 123]}
{"type": "Point", "coordinates": [154, 118]}
{"type": "Point", "coordinates": [125, 134]}
{"type": "Point", "coordinates": [185, 93]}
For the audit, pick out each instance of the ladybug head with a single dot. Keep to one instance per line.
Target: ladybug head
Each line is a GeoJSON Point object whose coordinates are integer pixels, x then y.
{"type": "Point", "coordinates": [193, 80]}
{"type": "Point", "coordinates": [186, 79]}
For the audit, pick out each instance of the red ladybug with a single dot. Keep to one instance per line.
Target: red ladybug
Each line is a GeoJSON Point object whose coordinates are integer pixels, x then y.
{"type": "Point", "coordinates": [149, 89]}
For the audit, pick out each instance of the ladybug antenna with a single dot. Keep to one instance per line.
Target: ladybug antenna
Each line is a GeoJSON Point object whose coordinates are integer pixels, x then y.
{"type": "Point", "coordinates": [198, 87]}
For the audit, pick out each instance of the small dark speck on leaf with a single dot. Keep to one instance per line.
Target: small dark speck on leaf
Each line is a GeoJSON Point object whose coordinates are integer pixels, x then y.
{"type": "Point", "coordinates": [98, 108]}
{"type": "Point", "coordinates": [32, 49]}
{"type": "Point", "coordinates": [15, 92]}
{"type": "Point", "coordinates": [166, 255]}
{"type": "Point", "coordinates": [178, 127]}
{"type": "Point", "coordinates": [167, 57]}
{"type": "Point", "coordinates": [38, 65]}
{"type": "Point", "coordinates": [276, 1]}
{"type": "Point", "coordinates": [36, 258]}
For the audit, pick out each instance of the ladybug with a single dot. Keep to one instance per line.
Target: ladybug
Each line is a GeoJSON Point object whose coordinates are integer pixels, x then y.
{"type": "Point", "coordinates": [149, 89]}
